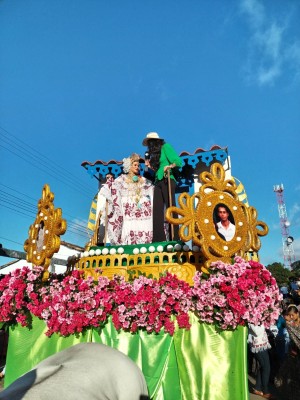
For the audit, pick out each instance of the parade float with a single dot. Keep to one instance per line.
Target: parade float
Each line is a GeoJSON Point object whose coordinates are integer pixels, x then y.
{"type": "Point", "coordinates": [178, 309]}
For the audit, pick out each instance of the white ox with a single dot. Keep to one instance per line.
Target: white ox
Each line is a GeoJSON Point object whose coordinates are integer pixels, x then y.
{"type": "Point", "coordinates": [90, 371]}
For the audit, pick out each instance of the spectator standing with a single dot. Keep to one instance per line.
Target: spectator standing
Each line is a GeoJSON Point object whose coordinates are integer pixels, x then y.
{"type": "Point", "coordinates": [287, 380]}
{"type": "Point", "coordinates": [259, 346]}
{"type": "Point", "coordinates": [284, 291]}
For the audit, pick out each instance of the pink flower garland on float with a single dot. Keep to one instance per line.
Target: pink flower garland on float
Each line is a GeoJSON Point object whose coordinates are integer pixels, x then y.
{"type": "Point", "coordinates": [232, 295]}
{"type": "Point", "coordinates": [151, 304]}
{"type": "Point", "coordinates": [17, 293]}
{"type": "Point", "coordinates": [237, 294]}
{"type": "Point", "coordinates": [74, 304]}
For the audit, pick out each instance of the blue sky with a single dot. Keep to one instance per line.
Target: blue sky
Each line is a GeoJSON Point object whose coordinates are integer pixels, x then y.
{"type": "Point", "coordinates": [82, 81]}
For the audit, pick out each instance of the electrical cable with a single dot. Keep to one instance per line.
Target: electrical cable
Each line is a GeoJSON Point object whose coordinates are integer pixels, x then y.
{"type": "Point", "coordinates": [25, 208]}
{"type": "Point", "coordinates": [36, 161]}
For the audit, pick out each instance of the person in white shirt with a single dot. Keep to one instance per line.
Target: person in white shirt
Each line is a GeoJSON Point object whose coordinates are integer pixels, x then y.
{"type": "Point", "coordinates": [225, 228]}
{"type": "Point", "coordinates": [259, 345]}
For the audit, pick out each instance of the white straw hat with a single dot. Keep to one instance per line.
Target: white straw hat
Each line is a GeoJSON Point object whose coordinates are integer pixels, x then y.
{"type": "Point", "coordinates": [150, 135]}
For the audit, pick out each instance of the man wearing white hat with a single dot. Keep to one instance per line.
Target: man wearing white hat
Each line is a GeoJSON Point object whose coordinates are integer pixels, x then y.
{"type": "Point", "coordinates": [163, 160]}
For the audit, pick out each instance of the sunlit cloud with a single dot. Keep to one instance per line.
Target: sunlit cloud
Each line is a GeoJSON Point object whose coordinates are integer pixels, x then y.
{"type": "Point", "coordinates": [255, 11]}
{"type": "Point", "coordinates": [271, 51]}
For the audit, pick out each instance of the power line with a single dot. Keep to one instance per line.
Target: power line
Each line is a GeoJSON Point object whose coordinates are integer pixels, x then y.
{"type": "Point", "coordinates": [35, 207]}
{"type": "Point", "coordinates": [33, 153]}
{"type": "Point", "coordinates": [35, 160]}
{"type": "Point", "coordinates": [74, 187]}
{"type": "Point", "coordinates": [73, 227]}
{"type": "Point", "coordinates": [25, 208]}
{"type": "Point", "coordinates": [15, 210]}
{"type": "Point", "coordinates": [22, 244]}
{"type": "Point", "coordinates": [70, 229]}
{"type": "Point", "coordinates": [12, 241]}
{"type": "Point", "coordinates": [17, 191]}
{"type": "Point", "coordinates": [12, 197]}
{"type": "Point", "coordinates": [15, 204]}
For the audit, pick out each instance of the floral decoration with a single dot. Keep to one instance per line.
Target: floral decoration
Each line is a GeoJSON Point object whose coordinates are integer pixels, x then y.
{"type": "Point", "coordinates": [231, 295]}
{"type": "Point", "coordinates": [150, 304]}
{"type": "Point", "coordinates": [126, 164]}
{"type": "Point", "coordinates": [73, 304]}
{"type": "Point", "coordinates": [17, 293]}
{"type": "Point", "coordinates": [237, 294]}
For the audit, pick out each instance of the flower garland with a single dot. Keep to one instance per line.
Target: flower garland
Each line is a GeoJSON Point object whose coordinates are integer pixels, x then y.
{"type": "Point", "coordinates": [150, 304]}
{"type": "Point", "coordinates": [231, 295]}
{"type": "Point", "coordinates": [237, 294]}
{"type": "Point", "coordinates": [73, 304]}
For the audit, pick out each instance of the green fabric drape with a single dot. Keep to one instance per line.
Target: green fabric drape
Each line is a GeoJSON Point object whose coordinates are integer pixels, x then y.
{"type": "Point", "coordinates": [27, 347]}
{"type": "Point", "coordinates": [154, 354]}
{"type": "Point", "coordinates": [199, 364]}
{"type": "Point", "coordinates": [212, 365]}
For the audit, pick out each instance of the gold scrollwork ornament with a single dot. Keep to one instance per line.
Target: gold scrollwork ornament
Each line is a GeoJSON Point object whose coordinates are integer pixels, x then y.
{"type": "Point", "coordinates": [44, 233]}
{"type": "Point", "coordinates": [197, 216]}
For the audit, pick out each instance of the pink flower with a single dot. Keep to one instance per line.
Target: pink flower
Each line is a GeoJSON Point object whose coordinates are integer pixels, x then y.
{"type": "Point", "coordinates": [240, 293]}
{"type": "Point", "coordinates": [231, 295]}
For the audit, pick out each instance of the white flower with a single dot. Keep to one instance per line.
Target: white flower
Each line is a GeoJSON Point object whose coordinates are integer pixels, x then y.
{"type": "Point", "coordinates": [126, 164]}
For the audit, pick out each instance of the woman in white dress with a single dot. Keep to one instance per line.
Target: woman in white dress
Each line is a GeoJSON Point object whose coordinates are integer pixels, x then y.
{"type": "Point", "coordinates": [130, 206]}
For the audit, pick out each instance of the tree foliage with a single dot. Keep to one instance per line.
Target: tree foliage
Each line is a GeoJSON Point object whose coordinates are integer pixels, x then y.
{"type": "Point", "coordinates": [280, 273]}
{"type": "Point", "coordinates": [296, 268]}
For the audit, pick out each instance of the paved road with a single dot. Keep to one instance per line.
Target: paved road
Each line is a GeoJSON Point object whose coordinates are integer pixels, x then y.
{"type": "Point", "coordinates": [251, 397]}
{"type": "Point", "coordinates": [273, 390]}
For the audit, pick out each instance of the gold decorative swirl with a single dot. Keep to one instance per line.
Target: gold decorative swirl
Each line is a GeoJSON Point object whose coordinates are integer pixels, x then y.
{"type": "Point", "coordinates": [44, 233]}
{"type": "Point", "coordinates": [196, 216]}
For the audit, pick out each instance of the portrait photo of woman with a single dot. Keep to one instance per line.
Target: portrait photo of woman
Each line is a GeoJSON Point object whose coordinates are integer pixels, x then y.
{"type": "Point", "coordinates": [224, 222]}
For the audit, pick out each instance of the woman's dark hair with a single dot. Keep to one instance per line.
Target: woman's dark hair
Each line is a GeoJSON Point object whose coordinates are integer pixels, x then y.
{"type": "Point", "coordinates": [224, 206]}
{"type": "Point", "coordinates": [292, 308]}
{"type": "Point", "coordinates": [154, 146]}
{"type": "Point", "coordinates": [216, 216]}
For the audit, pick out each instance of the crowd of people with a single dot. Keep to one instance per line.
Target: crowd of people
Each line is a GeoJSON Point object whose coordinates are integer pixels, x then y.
{"type": "Point", "coordinates": [132, 207]}
{"type": "Point", "coordinates": [276, 352]}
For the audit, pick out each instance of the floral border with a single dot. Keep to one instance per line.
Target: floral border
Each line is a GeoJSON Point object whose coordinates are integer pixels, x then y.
{"type": "Point", "coordinates": [231, 295]}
